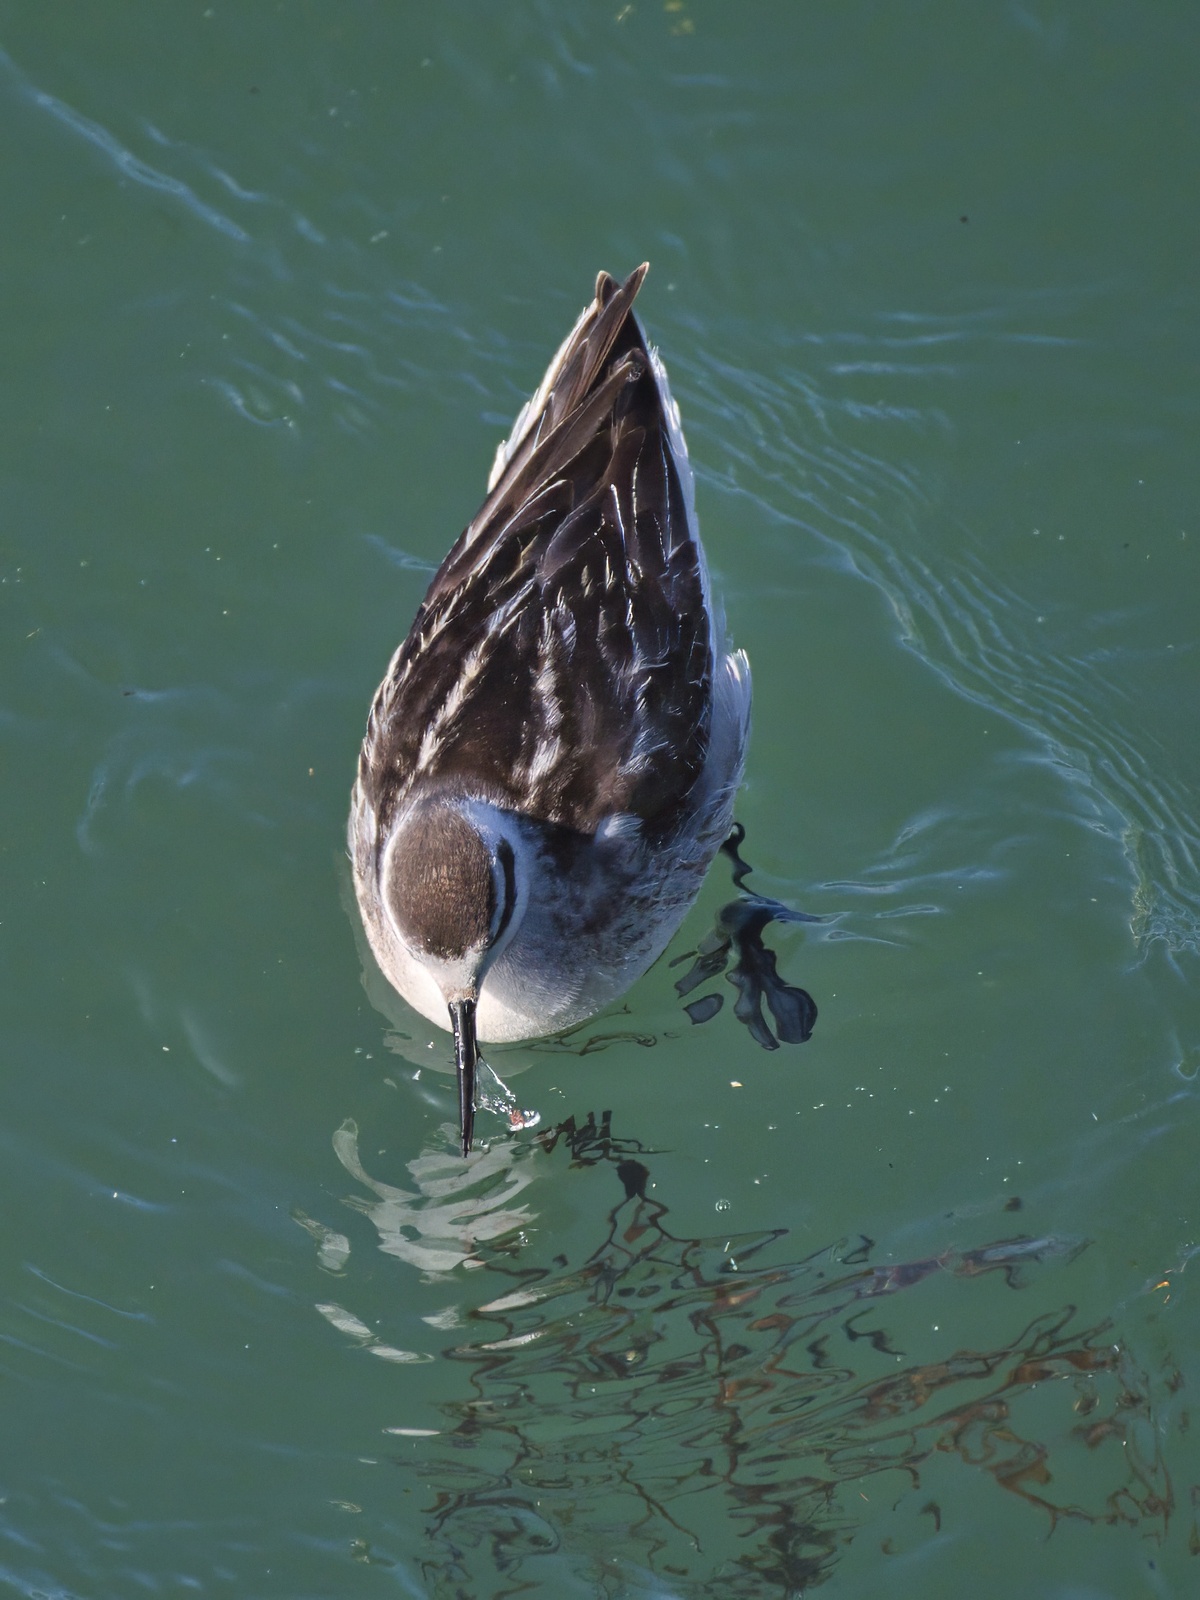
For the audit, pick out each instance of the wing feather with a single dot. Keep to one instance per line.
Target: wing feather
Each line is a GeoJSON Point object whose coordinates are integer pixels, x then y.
{"type": "Point", "coordinates": [561, 663]}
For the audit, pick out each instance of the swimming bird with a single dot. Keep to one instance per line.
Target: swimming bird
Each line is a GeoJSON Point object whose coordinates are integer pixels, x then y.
{"type": "Point", "coordinates": [551, 760]}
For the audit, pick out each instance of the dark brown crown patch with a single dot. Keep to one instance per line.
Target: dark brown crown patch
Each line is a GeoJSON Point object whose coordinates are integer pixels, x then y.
{"type": "Point", "coordinates": [440, 886]}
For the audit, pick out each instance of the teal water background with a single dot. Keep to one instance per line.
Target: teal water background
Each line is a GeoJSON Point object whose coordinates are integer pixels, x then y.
{"type": "Point", "coordinates": [908, 1309]}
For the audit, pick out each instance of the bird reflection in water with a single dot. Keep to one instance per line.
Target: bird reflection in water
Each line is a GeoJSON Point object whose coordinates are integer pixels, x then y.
{"type": "Point", "coordinates": [697, 1417]}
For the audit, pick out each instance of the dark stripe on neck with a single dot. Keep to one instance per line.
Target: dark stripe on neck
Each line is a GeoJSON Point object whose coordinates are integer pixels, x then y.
{"type": "Point", "coordinates": [504, 855]}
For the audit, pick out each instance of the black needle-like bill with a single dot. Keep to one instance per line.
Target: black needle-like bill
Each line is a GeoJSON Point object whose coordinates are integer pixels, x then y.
{"type": "Point", "coordinates": [466, 1055]}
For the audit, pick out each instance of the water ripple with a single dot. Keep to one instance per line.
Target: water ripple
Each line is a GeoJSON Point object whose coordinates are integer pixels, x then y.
{"type": "Point", "coordinates": [728, 1407]}
{"type": "Point", "coordinates": [126, 162]}
{"type": "Point", "coordinates": [985, 639]}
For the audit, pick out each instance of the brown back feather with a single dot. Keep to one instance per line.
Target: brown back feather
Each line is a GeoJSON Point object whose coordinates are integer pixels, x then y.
{"type": "Point", "coordinates": [561, 656]}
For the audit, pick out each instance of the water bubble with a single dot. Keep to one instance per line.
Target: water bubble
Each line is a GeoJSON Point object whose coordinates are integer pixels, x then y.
{"type": "Point", "coordinates": [502, 1102]}
{"type": "Point", "coordinates": [723, 1205]}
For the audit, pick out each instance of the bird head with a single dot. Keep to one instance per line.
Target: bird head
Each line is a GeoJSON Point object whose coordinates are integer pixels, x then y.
{"type": "Point", "coordinates": [451, 888]}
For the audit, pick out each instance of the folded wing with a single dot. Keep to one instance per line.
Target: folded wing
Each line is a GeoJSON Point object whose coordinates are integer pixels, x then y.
{"type": "Point", "coordinates": [561, 662]}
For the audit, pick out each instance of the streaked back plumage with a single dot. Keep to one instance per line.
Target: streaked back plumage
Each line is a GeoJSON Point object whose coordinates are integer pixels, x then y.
{"type": "Point", "coordinates": [561, 664]}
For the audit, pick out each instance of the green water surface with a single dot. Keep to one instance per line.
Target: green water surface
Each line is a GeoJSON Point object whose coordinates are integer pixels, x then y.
{"type": "Point", "coordinates": [905, 1310]}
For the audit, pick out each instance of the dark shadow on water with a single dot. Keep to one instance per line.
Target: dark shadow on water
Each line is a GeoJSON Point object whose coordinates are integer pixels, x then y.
{"type": "Point", "coordinates": [703, 1417]}
{"type": "Point", "coordinates": [738, 932]}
